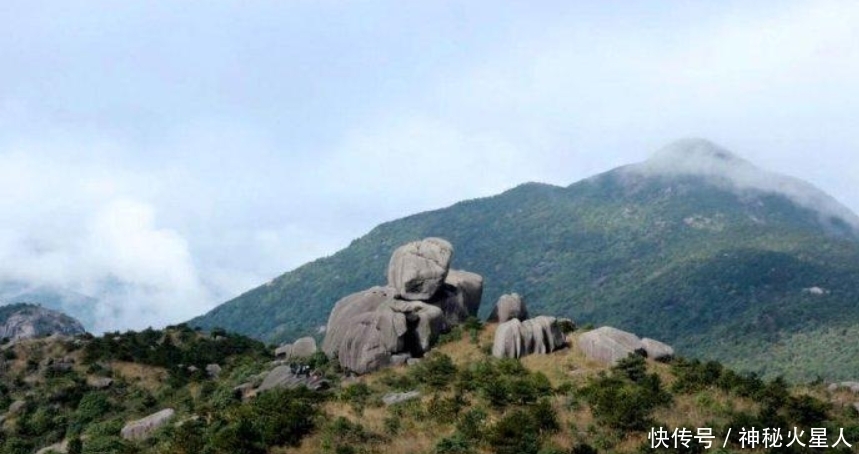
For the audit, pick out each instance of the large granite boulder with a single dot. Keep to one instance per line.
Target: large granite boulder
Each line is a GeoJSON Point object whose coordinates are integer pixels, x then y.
{"type": "Point", "coordinates": [370, 339]}
{"type": "Point", "coordinates": [424, 322]}
{"type": "Point", "coordinates": [347, 310]}
{"type": "Point", "coordinates": [540, 335]}
{"type": "Point", "coordinates": [418, 269]}
{"type": "Point", "coordinates": [609, 345]}
{"type": "Point", "coordinates": [509, 307]}
{"type": "Point", "coordinates": [459, 298]}
{"type": "Point", "coordinates": [143, 428]}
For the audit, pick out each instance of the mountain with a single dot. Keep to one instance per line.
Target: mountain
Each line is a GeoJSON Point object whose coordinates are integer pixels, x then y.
{"type": "Point", "coordinates": [695, 246]}
{"type": "Point", "coordinates": [80, 306]}
{"type": "Point", "coordinates": [26, 321]}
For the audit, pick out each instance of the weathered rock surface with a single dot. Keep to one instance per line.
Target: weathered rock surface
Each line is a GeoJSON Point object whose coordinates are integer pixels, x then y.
{"type": "Point", "coordinates": [540, 335]}
{"type": "Point", "coordinates": [853, 386]}
{"type": "Point", "coordinates": [99, 382]}
{"type": "Point", "coordinates": [396, 398]}
{"type": "Point", "coordinates": [26, 321]}
{"type": "Point", "coordinates": [509, 307]}
{"type": "Point", "coordinates": [657, 350]}
{"type": "Point", "coordinates": [371, 339]}
{"type": "Point", "coordinates": [284, 377]}
{"type": "Point", "coordinates": [609, 345]}
{"type": "Point", "coordinates": [423, 299]}
{"type": "Point", "coordinates": [300, 349]}
{"type": "Point", "coordinates": [459, 297]}
{"type": "Point", "coordinates": [213, 370]}
{"type": "Point", "coordinates": [418, 269]}
{"type": "Point", "coordinates": [347, 310]}
{"type": "Point", "coordinates": [143, 428]}
{"type": "Point", "coordinates": [59, 448]}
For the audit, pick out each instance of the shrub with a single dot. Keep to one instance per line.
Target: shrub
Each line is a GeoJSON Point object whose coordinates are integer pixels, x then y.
{"type": "Point", "coordinates": [515, 433]}
{"type": "Point", "coordinates": [437, 371]}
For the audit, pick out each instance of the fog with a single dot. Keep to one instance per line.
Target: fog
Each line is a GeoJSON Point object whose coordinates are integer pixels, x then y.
{"type": "Point", "coordinates": [163, 158]}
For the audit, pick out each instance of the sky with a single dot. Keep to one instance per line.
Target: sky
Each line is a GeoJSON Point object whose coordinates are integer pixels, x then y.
{"type": "Point", "coordinates": [164, 157]}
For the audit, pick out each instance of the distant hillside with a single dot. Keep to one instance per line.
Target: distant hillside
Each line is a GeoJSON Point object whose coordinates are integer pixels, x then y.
{"type": "Point", "coordinates": [696, 247]}
{"type": "Point", "coordinates": [26, 321]}
{"type": "Point", "coordinates": [77, 305]}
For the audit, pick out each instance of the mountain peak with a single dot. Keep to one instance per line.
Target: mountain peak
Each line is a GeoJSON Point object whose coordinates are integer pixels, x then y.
{"type": "Point", "coordinates": [695, 156]}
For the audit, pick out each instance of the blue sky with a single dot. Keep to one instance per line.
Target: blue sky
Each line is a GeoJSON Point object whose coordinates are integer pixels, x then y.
{"type": "Point", "coordinates": [192, 150]}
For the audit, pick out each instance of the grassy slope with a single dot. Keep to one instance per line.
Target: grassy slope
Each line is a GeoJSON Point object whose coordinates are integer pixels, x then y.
{"type": "Point", "coordinates": [718, 274]}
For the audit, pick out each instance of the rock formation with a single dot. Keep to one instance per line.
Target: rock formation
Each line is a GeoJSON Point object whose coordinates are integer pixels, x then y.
{"type": "Point", "coordinates": [609, 345]}
{"type": "Point", "coordinates": [423, 299]}
{"type": "Point", "coordinates": [300, 349]}
{"type": "Point", "coordinates": [143, 428]}
{"type": "Point", "coordinates": [509, 307]}
{"type": "Point", "coordinates": [26, 321]}
{"type": "Point", "coordinates": [540, 335]}
{"type": "Point", "coordinates": [417, 269]}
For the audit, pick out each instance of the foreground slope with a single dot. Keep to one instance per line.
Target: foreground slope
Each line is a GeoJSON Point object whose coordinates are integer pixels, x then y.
{"type": "Point", "coordinates": [695, 246]}
{"type": "Point", "coordinates": [84, 395]}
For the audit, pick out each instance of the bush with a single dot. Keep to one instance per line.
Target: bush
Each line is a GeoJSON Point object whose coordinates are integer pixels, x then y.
{"type": "Point", "coordinates": [623, 404]}
{"type": "Point", "coordinates": [437, 371]}
{"type": "Point", "coordinates": [515, 433]}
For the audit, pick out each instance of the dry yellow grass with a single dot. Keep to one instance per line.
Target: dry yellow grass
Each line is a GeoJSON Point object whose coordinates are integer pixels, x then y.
{"type": "Point", "coordinates": [148, 377]}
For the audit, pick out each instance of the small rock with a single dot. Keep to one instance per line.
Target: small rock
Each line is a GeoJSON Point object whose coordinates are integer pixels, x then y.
{"type": "Point", "coordinates": [214, 370]}
{"type": "Point", "coordinates": [400, 359]}
{"type": "Point", "coordinates": [658, 351]}
{"type": "Point", "coordinates": [17, 406]}
{"type": "Point", "coordinates": [413, 361]}
{"type": "Point", "coordinates": [99, 382]}
{"type": "Point", "coordinates": [509, 307]}
{"type": "Point", "coordinates": [143, 428]}
{"type": "Point", "coordinates": [396, 398]}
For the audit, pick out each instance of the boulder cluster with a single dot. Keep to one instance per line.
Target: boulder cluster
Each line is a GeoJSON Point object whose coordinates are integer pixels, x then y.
{"type": "Point", "coordinates": [422, 299]}
{"type": "Point", "coordinates": [517, 335]}
{"type": "Point", "coordinates": [610, 345]}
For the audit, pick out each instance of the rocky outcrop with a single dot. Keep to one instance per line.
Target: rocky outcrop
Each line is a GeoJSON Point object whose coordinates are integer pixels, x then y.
{"type": "Point", "coordinates": [143, 428]}
{"type": "Point", "coordinates": [300, 349]}
{"type": "Point", "coordinates": [540, 335]}
{"type": "Point", "coordinates": [609, 345]}
{"type": "Point", "coordinates": [286, 377]}
{"type": "Point", "coordinates": [423, 299]}
{"type": "Point", "coordinates": [26, 321]}
{"type": "Point", "coordinates": [418, 269]}
{"type": "Point", "coordinates": [396, 398]}
{"type": "Point", "coordinates": [657, 350]}
{"type": "Point", "coordinates": [509, 307]}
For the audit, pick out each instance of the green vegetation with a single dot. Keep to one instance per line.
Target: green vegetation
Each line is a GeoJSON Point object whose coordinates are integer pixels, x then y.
{"type": "Point", "coordinates": [717, 274]}
{"type": "Point", "coordinates": [469, 402]}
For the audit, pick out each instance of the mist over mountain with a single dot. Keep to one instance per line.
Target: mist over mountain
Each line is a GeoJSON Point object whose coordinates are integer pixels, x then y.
{"type": "Point", "coordinates": [694, 246]}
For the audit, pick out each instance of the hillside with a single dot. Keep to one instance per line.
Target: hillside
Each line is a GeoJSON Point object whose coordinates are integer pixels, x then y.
{"type": "Point", "coordinates": [696, 247]}
{"type": "Point", "coordinates": [79, 395]}
{"type": "Point", "coordinates": [25, 321]}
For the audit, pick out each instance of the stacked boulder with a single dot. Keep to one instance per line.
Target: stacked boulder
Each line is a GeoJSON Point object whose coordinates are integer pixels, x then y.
{"type": "Point", "coordinates": [517, 335]}
{"type": "Point", "coordinates": [423, 299]}
{"type": "Point", "coordinates": [610, 345]}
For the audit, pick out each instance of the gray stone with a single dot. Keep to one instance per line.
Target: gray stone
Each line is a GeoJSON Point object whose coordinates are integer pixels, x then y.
{"type": "Point", "coordinates": [58, 448]}
{"type": "Point", "coordinates": [282, 352]}
{"type": "Point", "coordinates": [427, 322]}
{"type": "Point", "coordinates": [303, 348]}
{"type": "Point", "coordinates": [214, 370]}
{"type": "Point", "coordinates": [460, 296]}
{"type": "Point", "coordinates": [413, 361]}
{"type": "Point", "coordinates": [283, 377]}
{"type": "Point", "coordinates": [244, 391]}
{"type": "Point", "coordinates": [30, 321]}
{"type": "Point", "coordinates": [540, 335]}
{"type": "Point", "coordinates": [99, 382]}
{"type": "Point", "coordinates": [396, 398]}
{"type": "Point", "coordinates": [400, 359]}
{"type": "Point", "coordinates": [609, 345]}
{"type": "Point", "coordinates": [143, 428]}
{"type": "Point", "coordinates": [509, 307]}
{"type": "Point", "coordinates": [851, 385]}
{"type": "Point", "coordinates": [418, 269]}
{"type": "Point", "coordinates": [656, 350]}
{"type": "Point", "coordinates": [370, 339]}
{"type": "Point", "coordinates": [347, 310]}
{"type": "Point", "coordinates": [17, 406]}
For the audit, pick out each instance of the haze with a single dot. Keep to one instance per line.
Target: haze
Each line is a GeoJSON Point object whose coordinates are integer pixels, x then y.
{"type": "Point", "coordinates": [164, 156]}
